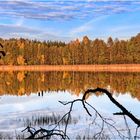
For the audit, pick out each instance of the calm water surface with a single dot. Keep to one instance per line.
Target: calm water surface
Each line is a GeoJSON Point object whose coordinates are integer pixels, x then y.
{"type": "Point", "coordinates": [32, 99]}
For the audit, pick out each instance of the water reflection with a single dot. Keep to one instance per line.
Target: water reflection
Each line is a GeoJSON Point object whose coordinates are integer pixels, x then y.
{"type": "Point", "coordinates": [42, 120]}
{"type": "Point", "coordinates": [21, 83]}
{"type": "Point", "coordinates": [16, 112]}
{"type": "Point", "coordinates": [38, 106]}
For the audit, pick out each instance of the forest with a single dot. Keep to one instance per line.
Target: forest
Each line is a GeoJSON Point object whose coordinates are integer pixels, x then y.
{"type": "Point", "coordinates": [32, 52]}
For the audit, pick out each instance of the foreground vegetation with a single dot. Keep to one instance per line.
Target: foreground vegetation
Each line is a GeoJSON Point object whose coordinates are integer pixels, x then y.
{"type": "Point", "coordinates": [33, 52]}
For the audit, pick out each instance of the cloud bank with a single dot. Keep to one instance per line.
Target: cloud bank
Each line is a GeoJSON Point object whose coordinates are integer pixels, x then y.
{"type": "Point", "coordinates": [35, 18]}
{"type": "Point", "coordinates": [65, 10]}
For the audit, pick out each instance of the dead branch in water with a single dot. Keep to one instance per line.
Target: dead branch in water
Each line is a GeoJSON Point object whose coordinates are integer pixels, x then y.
{"type": "Point", "coordinates": [43, 133]}
{"type": "Point", "coordinates": [122, 108]}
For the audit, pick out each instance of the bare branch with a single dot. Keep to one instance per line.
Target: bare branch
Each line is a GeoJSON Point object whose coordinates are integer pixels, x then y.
{"type": "Point", "coordinates": [123, 109]}
{"type": "Point", "coordinates": [105, 121]}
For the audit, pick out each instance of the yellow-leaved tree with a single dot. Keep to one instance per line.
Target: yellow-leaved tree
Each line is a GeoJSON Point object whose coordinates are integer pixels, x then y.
{"type": "Point", "coordinates": [20, 60]}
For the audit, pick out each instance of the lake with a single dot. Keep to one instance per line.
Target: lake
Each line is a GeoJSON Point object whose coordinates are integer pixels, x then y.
{"type": "Point", "coordinates": [32, 99]}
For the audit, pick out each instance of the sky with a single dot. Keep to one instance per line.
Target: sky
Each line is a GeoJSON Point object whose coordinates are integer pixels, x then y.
{"type": "Point", "coordinates": [66, 20]}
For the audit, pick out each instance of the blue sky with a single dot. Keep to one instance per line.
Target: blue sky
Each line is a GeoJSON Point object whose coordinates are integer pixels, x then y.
{"type": "Point", "coordinates": [66, 20]}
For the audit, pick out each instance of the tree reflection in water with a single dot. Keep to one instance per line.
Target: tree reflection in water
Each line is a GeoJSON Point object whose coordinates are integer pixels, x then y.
{"type": "Point", "coordinates": [21, 83]}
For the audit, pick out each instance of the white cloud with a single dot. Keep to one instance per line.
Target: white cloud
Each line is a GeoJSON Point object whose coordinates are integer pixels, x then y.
{"type": "Point", "coordinates": [124, 31]}
{"type": "Point", "coordinates": [16, 31]}
{"type": "Point", "coordinates": [19, 22]}
{"type": "Point", "coordinates": [63, 10]}
{"type": "Point", "coordinates": [5, 28]}
{"type": "Point", "coordinates": [19, 12]}
{"type": "Point", "coordinates": [124, 28]}
{"type": "Point", "coordinates": [87, 26]}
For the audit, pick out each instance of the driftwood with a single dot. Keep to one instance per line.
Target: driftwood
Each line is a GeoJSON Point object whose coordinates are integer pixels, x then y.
{"type": "Point", "coordinates": [105, 121]}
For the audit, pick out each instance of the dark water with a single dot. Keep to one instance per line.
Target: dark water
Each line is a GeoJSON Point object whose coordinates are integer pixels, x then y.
{"type": "Point", "coordinates": [31, 98]}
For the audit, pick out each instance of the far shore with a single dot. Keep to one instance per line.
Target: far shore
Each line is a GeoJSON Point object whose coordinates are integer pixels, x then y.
{"type": "Point", "coordinates": [80, 68]}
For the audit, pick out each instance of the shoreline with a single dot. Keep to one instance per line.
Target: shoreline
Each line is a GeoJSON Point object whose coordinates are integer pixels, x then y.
{"type": "Point", "coordinates": [80, 68]}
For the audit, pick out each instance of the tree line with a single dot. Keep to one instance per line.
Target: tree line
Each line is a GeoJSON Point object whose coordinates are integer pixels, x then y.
{"type": "Point", "coordinates": [32, 52]}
